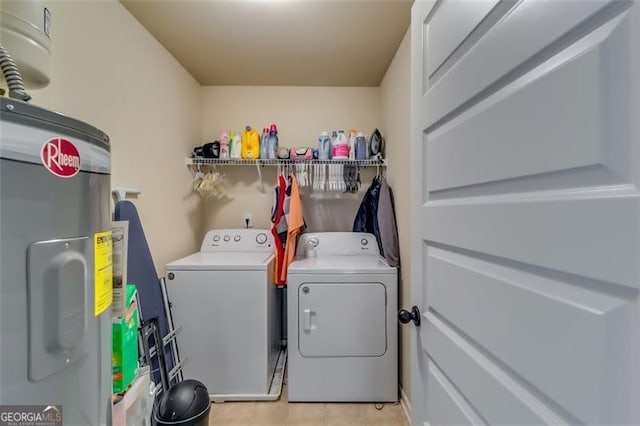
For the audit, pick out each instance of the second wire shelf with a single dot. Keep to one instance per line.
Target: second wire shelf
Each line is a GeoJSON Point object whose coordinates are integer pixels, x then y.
{"type": "Point", "coordinates": [189, 161]}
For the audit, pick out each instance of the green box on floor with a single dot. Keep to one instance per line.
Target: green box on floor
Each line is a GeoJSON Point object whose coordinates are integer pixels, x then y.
{"type": "Point", "coordinates": [125, 344]}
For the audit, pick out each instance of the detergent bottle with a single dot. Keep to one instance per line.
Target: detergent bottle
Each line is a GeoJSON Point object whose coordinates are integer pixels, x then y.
{"type": "Point", "coordinates": [352, 144]}
{"type": "Point", "coordinates": [224, 145]}
{"type": "Point", "coordinates": [341, 147]}
{"type": "Point", "coordinates": [264, 143]}
{"type": "Point", "coordinates": [362, 150]}
{"type": "Point", "coordinates": [236, 146]}
{"type": "Point", "coordinates": [324, 146]}
{"type": "Point", "coordinates": [273, 142]}
{"type": "Point", "coordinates": [250, 144]}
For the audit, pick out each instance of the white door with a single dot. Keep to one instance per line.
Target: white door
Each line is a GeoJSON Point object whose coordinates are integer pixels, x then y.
{"type": "Point", "coordinates": [337, 319]}
{"type": "Point", "coordinates": [525, 137]}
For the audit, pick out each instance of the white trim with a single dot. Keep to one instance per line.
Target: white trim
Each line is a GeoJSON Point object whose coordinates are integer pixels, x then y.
{"type": "Point", "coordinates": [420, 10]}
{"type": "Point", "coordinates": [406, 404]}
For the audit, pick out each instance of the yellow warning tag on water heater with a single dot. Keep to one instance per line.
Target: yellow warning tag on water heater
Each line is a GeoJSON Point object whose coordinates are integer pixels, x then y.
{"type": "Point", "coordinates": [103, 271]}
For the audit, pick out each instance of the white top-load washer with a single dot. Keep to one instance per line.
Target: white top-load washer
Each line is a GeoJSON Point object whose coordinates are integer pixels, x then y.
{"type": "Point", "coordinates": [342, 330]}
{"type": "Point", "coordinates": [227, 305]}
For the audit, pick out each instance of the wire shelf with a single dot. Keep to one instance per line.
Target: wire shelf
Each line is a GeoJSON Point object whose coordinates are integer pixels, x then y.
{"type": "Point", "coordinates": [263, 162]}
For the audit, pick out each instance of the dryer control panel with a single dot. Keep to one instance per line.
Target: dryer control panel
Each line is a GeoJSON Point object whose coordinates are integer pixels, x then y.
{"type": "Point", "coordinates": [337, 244]}
{"type": "Point", "coordinates": [240, 240]}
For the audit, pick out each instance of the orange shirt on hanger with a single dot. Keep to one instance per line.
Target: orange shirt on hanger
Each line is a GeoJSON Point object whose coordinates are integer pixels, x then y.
{"type": "Point", "coordinates": [295, 221]}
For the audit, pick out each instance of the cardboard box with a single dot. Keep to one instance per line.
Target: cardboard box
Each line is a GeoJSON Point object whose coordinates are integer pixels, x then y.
{"type": "Point", "coordinates": [125, 344]}
{"type": "Point", "coordinates": [120, 249]}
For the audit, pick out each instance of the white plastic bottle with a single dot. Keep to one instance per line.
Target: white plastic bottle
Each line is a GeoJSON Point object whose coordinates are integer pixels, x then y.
{"type": "Point", "coordinates": [236, 146]}
{"type": "Point", "coordinates": [352, 144]}
{"type": "Point", "coordinates": [341, 147]}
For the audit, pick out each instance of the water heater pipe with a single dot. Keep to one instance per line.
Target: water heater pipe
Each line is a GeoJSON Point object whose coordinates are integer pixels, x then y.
{"type": "Point", "coordinates": [12, 76]}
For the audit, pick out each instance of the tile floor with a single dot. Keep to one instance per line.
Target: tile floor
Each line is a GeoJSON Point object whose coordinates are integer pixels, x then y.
{"type": "Point", "coordinates": [284, 413]}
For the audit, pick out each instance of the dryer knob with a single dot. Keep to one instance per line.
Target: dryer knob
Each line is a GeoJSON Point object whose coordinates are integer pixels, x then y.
{"type": "Point", "coordinates": [227, 238]}
{"type": "Point", "coordinates": [261, 238]}
{"type": "Point", "coordinates": [216, 238]}
{"type": "Point", "coordinates": [236, 238]}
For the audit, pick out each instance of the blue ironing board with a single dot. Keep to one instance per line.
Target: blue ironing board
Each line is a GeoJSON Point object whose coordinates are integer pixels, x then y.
{"type": "Point", "coordinates": [142, 272]}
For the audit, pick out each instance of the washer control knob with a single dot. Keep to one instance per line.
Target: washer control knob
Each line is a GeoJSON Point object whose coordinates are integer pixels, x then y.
{"type": "Point", "coordinates": [227, 238]}
{"type": "Point", "coordinates": [261, 238]}
{"type": "Point", "coordinates": [216, 238]}
{"type": "Point", "coordinates": [364, 241]}
{"type": "Point", "coordinates": [314, 241]}
{"type": "Point", "coordinates": [236, 238]}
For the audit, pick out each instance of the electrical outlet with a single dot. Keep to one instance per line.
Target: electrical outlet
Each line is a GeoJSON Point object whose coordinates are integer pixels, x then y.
{"type": "Point", "coordinates": [248, 220]}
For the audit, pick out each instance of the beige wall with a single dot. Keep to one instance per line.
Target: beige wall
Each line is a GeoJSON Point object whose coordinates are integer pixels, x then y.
{"type": "Point", "coordinates": [301, 113]}
{"type": "Point", "coordinates": [109, 71]}
{"type": "Point", "coordinates": [395, 98]}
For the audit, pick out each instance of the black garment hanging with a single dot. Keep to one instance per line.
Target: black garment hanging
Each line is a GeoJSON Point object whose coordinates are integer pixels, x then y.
{"type": "Point", "coordinates": [366, 219]}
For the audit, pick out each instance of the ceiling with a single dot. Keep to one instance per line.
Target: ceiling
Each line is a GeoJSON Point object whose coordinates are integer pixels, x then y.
{"type": "Point", "coordinates": [278, 42]}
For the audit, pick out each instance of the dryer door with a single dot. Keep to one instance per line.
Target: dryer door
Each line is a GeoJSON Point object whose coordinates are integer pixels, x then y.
{"type": "Point", "coordinates": [342, 319]}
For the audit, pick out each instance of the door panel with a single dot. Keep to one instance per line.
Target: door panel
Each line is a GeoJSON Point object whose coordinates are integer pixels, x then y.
{"type": "Point", "coordinates": [526, 37]}
{"type": "Point", "coordinates": [547, 121]}
{"type": "Point", "coordinates": [342, 319]}
{"type": "Point", "coordinates": [576, 228]}
{"type": "Point", "coordinates": [453, 23]}
{"type": "Point", "coordinates": [446, 406]}
{"type": "Point", "coordinates": [527, 321]}
{"type": "Point", "coordinates": [490, 390]}
{"type": "Point", "coordinates": [525, 153]}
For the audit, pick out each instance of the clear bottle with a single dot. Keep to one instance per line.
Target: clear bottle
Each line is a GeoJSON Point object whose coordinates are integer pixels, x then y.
{"type": "Point", "coordinates": [224, 145]}
{"type": "Point", "coordinates": [264, 143]}
{"type": "Point", "coordinates": [352, 144]}
{"type": "Point", "coordinates": [273, 142]}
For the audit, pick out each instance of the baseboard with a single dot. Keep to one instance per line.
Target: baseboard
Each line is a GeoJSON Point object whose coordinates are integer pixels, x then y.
{"type": "Point", "coordinates": [406, 404]}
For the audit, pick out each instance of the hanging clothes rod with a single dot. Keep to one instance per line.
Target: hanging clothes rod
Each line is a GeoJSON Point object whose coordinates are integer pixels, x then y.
{"type": "Point", "coordinates": [339, 176]}
{"type": "Point", "coordinates": [215, 161]}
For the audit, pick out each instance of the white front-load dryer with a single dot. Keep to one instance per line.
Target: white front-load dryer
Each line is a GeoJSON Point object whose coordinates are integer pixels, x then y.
{"type": "Point", "coordinates": [342, 330]}
{"type": "Point", "coordinates": [224, 300]}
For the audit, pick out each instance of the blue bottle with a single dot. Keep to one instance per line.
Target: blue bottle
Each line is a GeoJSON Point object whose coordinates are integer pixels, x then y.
{"type": "Point", "coordinates": [324, 146]}
{"type": "Point", "coordinates": [362, 150]}
{"type": "Point", "coordinates": [273, 142]}
{"type": "Point", "coordinates": [264, 143]}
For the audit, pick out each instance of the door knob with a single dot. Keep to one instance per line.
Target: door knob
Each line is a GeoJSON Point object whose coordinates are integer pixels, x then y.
{"type": "Point", "coordinates": [405, 316]}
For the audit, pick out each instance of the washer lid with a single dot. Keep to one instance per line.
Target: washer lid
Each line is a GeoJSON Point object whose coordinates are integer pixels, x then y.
{"type": "Point", "coordinates": [203, 261]}
{"type": "Point", "coordinates": [341, 265]}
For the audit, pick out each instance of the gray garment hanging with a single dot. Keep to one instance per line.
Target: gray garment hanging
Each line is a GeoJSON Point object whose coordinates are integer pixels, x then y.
{"type": "Point", "coordinates": [387, 225]}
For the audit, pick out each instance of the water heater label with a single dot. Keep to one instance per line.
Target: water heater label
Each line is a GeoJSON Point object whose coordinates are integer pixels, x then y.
{"type": "Point", "coordinates": [61, 157]}
{"type": "Point", "coordinates": [103, 273]}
